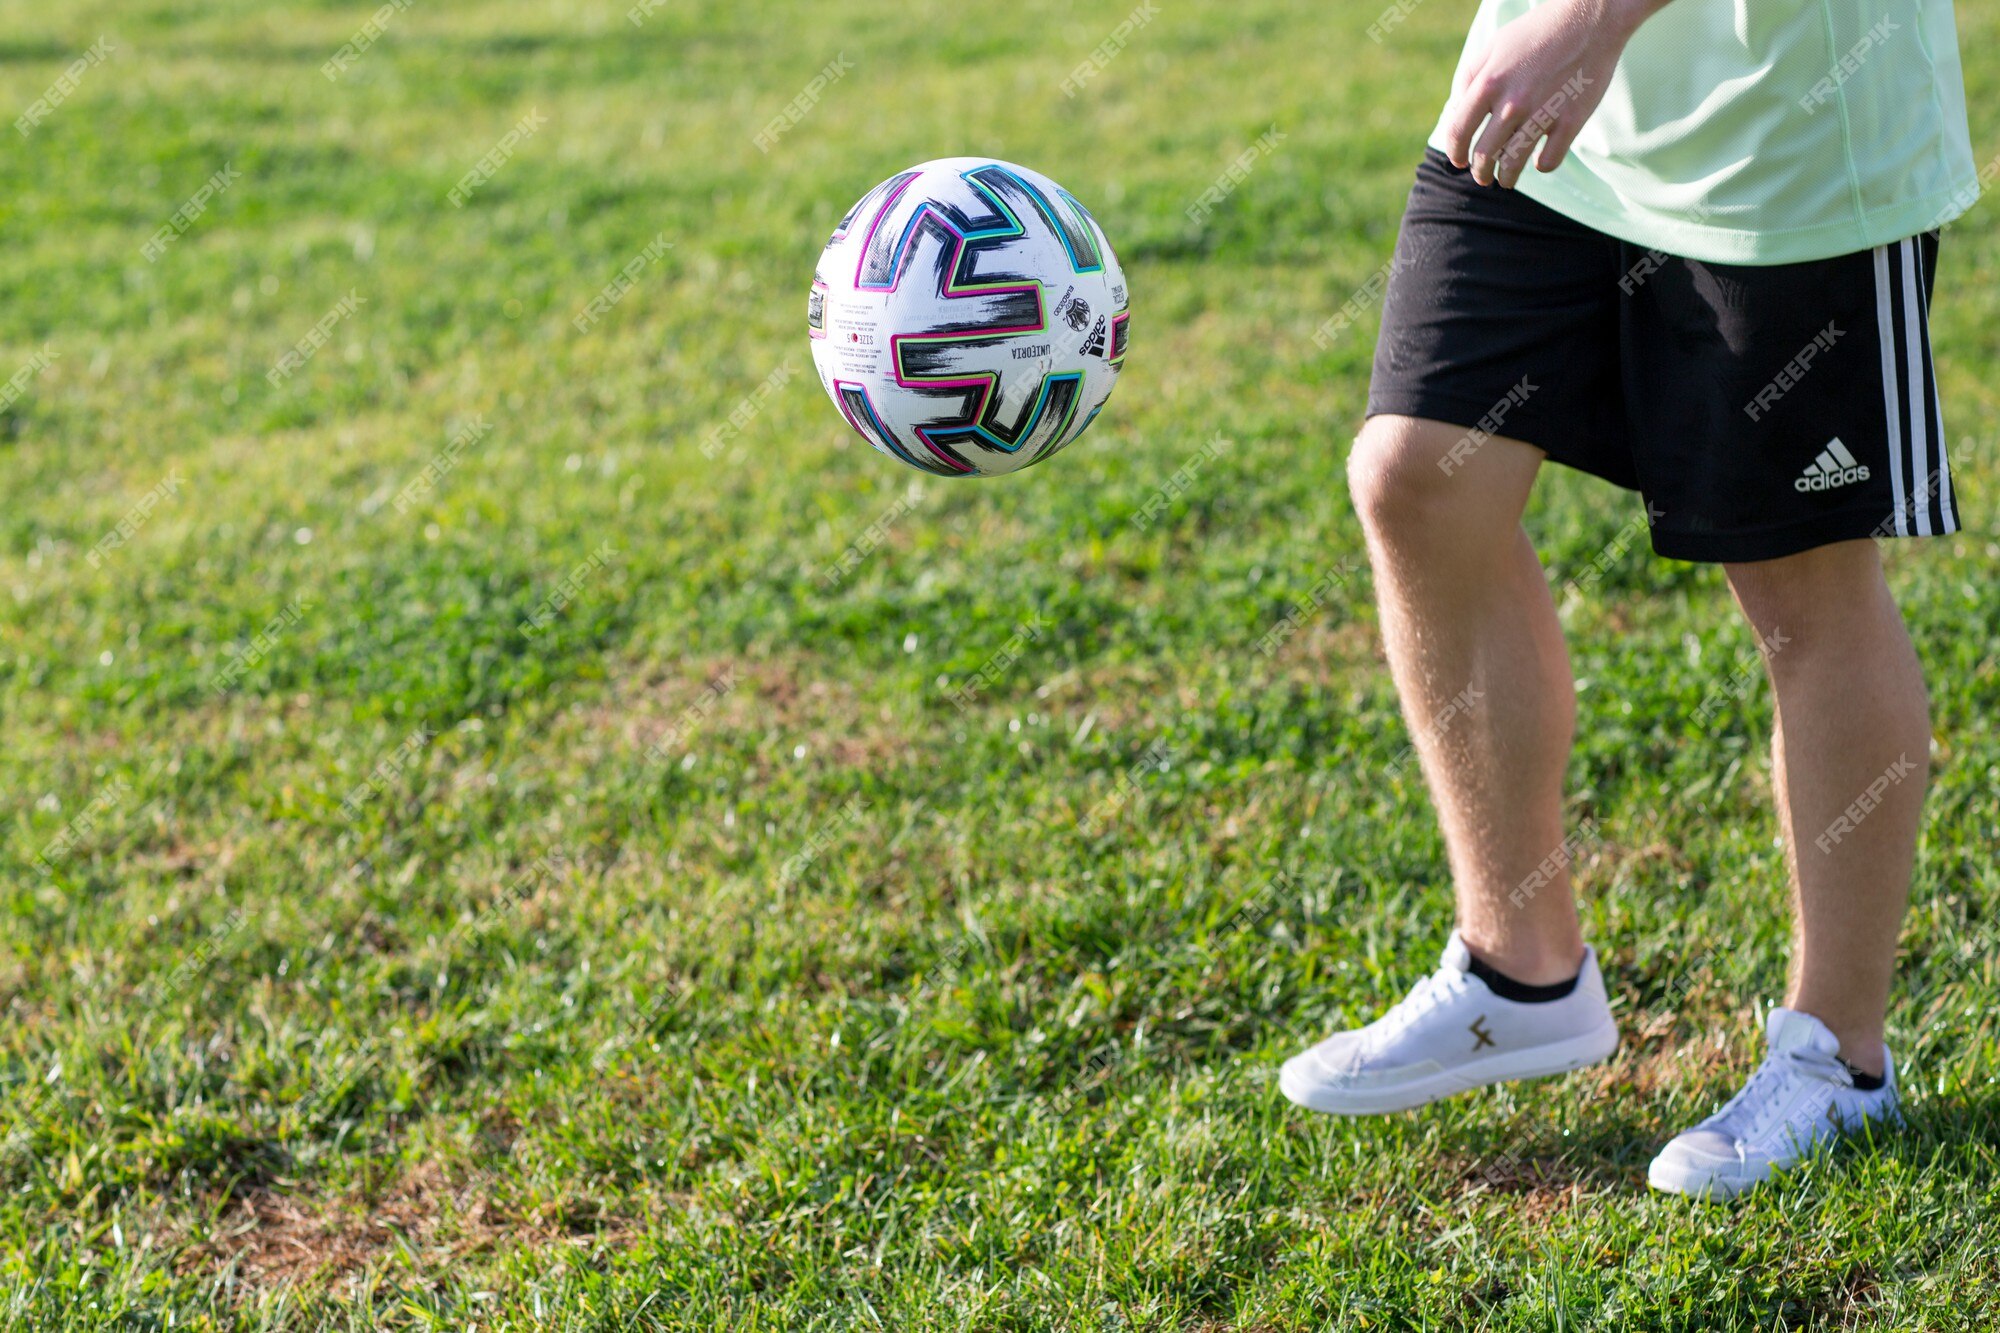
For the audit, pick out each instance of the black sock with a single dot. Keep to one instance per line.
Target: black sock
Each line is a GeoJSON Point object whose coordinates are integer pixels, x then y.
{"type": "Point", "coordinates": [1520, 991]}
{"type": "Point", "coordinates": [1862, 1082]}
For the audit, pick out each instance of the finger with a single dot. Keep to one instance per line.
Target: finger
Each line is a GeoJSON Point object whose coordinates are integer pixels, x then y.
{"type": "Point", "coordinates": [1557, 145]}
{"type": "Point", "coordinates": [1467, 114]}
{"type": "Point", "coordinates": [1469, 105]}
{"type": "Point", "coordinates": [1514, 158]}
{"type": "Point", "coordinates": [1471, 70]}
{"type": "Point", "coordinates": [1501, 127]}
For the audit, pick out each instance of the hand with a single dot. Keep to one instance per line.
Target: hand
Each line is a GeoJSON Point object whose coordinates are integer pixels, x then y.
{"type": "Point", "coordinates": [1541, 76]}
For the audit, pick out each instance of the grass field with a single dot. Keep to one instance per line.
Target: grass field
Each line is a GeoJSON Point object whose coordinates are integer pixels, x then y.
{"type": "Point", "coordinates": [467, 864]}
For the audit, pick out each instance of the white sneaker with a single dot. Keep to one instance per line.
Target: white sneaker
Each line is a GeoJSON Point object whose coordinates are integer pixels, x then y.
{"type": "Point", "coordinates": [1801, 1097]}
{"type": "Point", "coordinates": [1451, 1034]}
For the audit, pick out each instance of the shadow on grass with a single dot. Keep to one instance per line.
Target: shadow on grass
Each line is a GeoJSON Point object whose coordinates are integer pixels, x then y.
{"type": "Point", "coordinates": [1527, 1156]}
{"type": "Point", "coordinates": [1608, 1152]}
{"type": "Point", "coordinates": [1961, 1118]}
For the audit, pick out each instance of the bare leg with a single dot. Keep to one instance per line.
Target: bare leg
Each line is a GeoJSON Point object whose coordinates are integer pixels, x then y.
{"type": "Point", "coordinates": [1850, 760]}
{"type": "Point", "coordinates": [1479, 662]}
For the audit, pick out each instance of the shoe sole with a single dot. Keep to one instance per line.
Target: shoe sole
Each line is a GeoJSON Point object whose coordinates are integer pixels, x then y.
{"type": "Point", "coordinates": [1691, 1182]}
{"type": "Point", "coordinates": [1545, 1061]}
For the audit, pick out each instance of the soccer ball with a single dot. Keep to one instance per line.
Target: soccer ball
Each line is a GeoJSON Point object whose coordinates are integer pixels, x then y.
{"type": "Point", "coordinates": [968, 317]}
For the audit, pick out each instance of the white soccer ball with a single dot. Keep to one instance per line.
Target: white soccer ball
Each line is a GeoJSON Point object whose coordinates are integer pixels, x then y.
{"type": "Point", "coordinates": [968, 317]}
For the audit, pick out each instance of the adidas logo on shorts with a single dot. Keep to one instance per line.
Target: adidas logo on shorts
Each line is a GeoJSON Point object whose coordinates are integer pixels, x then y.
{"type": "Point", "coordinates": [1834, 467]}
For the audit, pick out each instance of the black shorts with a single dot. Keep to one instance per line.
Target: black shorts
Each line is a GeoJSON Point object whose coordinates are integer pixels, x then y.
{"type": "Point", "coordinates": [1761, 410]}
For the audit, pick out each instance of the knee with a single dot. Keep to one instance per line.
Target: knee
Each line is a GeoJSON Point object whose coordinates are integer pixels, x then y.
{"type": "Point", "coordinates": [1819, 603]}
{"type": "Point", "coordinates": [1399, 479]}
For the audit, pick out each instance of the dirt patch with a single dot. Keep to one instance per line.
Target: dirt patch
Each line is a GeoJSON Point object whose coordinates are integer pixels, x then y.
{"type": "Point", "coordinates": [1652, 1058]}
{"type": "Point", "coordinates": [1327, 647]}
{"type": "Point", "coordinates": [782, 703]}
{"type": "Point", "coordinates": [1537, 1187]}
{"type": "Point", "coordinates": [424, 1222]}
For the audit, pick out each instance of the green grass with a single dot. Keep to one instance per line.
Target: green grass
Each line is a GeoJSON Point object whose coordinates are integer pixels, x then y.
{"type": "Point", "coordinates": [537, 1029]}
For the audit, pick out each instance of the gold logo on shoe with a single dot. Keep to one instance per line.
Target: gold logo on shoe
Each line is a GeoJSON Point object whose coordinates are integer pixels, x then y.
{"type": "Point", "coordinates": [1479, 1031]}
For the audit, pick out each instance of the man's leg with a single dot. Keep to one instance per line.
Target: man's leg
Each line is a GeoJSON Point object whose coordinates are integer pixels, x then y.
{"type": "Point", "coordinates": [1850, 759]}
{"type": "Point", "coordinates": [1478, 658]}
{"type": "Point", "coordinates": [1849, 763]}
{"type": "Point", "coordinates": [1479, 662]}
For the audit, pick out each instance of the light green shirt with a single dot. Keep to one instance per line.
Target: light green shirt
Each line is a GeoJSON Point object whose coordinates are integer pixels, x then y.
{"type": "Point", "coordinates": [1768, 131]}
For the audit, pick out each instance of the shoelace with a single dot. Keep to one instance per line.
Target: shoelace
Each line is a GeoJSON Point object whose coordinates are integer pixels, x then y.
{"type": "Point", "coordinates": [1425, 996]}
{"type": "Point", "coordinates": [1765, 1096]}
